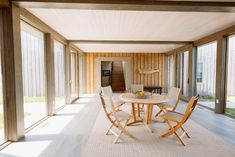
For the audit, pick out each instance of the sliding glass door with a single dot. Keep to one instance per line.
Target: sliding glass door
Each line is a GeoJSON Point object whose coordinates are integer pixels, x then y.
{"type": "Point", "coordinates": [230, 103]}
{"type": "Point", "coordinates": [74, 75]}
{"type": "Point", "coordinates": [206, 74]}
{"type": "Point", "coordinates": [59, 74]}
{"type": "Point", "coordinates": [33, 70]}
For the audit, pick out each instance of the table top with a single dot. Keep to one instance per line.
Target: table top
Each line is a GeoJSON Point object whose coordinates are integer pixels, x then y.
{"type": "Point", "coordinates": [155, 99]}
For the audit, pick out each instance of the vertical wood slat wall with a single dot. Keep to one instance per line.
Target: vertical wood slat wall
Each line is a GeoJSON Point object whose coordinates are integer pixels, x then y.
{"type": "Point", "coordinates": [139, 60]}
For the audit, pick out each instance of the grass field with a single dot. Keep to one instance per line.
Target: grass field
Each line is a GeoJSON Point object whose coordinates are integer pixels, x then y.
{"type": "Point", "coordinates": [230, 111]}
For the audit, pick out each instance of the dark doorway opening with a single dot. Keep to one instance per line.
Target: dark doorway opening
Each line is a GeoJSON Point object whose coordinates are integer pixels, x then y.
{"type": "Point", "coordinates": [112, 74]}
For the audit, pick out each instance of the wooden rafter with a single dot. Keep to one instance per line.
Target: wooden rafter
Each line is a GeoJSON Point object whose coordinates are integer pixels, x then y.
{"type": "Point", "coordinates": [144, 5]}
{"type": "Point", "coordinates": [129, 42]}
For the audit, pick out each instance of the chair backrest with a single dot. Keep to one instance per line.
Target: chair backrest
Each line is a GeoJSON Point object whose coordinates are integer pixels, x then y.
{"type": "Point", "coordinates": [174, 95]}
{"type": "Point", "coordinates": [107, 91]}
{"type": "Point", "coordinates": [137, 87]}
{"type": "Point", "coordinates": [108, 107]}
{"type": "Point", "coordinates": [191, 106]}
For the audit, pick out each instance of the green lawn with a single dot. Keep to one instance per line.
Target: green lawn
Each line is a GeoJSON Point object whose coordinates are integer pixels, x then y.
{"type": "Point", "coordinates": [230, 111]}
{"type": "Point", "coordinates": [206, 98]}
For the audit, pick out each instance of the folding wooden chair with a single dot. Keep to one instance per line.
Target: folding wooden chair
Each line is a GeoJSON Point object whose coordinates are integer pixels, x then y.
{"type": "Point", "coordinates": [179, 119]}
{"type": "Point", "coordinates": [115, 118]}
{"type": "Point", "coordinates": [174, 96]}
{"type": "Point", "coordinates": [108, 92]}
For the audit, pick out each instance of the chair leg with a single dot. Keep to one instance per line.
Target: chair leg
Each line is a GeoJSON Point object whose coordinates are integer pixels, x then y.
{"type": "Point", "coordinates": [159, 112]}
{"type": "Point", "coordinates": [181, 141]}
{"type": "Point", "coordinates": [173, 130]}
{"type": "Point", "coordinates": [122, 130]}
{"type": "Point", "coordinates": [182, 128]}
{"type": "Point", "coordinates": [109, 129]}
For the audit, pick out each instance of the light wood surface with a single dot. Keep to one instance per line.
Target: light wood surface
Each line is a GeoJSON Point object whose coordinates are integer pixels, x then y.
{"type": "Point", "coordinates": [143, 60]}
{"type": "Point", "coordinates": [180, 119]}
{"type": "Point", "coordinates": [155, 99]}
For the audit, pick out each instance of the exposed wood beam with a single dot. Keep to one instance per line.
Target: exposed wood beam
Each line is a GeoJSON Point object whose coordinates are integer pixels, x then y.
{"type": "Point", "coordinates": [4, 3]}
{"type": "Point", "coordinates": [144, 5]}
{"type": "Point", "coordinates": [128, 42]}
{"type": "Point", "coordinates": [215, 36]}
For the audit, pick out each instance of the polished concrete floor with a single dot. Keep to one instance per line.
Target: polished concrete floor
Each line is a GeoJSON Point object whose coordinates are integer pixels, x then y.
{"type": "Point", "coordinates": [66, 133]}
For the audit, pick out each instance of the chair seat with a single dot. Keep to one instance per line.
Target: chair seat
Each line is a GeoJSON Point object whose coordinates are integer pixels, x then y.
{"type": "Point", "coordinates": [173, 116]}
{"type": "Point", "coordinates": [166, 105]}
{"type": "Point", "coordinates": [121, 115]}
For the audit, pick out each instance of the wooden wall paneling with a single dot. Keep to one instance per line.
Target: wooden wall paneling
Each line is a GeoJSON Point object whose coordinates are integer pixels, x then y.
{"type": "Point", "coordinates": [139, 66]}
{"type": "Point", "coordinates": [92, 73]}
{"type": "Point", "coordinates": [12, 73]}
{"type": "Point", "coordinates": [50, 75]}
{"type": "Point", "coordinates": [139, 60]}
{"type": "Point", "coordinates": [152, 67]}
{"type": "Point", "coordinates": [135, 68]}
{"type": "Point", "coordinates": [142, 66]}
{"type": "Point", "coordinates": [161, 70]}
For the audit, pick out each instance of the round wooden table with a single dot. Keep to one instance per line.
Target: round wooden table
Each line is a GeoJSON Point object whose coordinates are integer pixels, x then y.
{"type": "Point", "coordinates": [149, 102]}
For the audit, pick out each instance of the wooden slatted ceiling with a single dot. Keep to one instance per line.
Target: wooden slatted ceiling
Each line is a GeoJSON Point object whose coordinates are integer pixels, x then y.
{"type": "Point", "coordinates": [139, 60]}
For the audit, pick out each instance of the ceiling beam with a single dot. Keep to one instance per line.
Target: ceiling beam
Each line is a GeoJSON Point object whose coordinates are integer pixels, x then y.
{"type": "Point", "coordinates": [4, 3]}
{"type": "Point", "coordinates": [142, 5]}
{"type": "Point", "coordinates": [128, 42]}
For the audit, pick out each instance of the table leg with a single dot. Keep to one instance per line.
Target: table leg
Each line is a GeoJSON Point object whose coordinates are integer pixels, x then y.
{"type": "Point", "coordinates": [148, 117]}
{"type": "Point", "coordinates": [135, 119]}
{"type": "Point", "coordinates": [138, 110]}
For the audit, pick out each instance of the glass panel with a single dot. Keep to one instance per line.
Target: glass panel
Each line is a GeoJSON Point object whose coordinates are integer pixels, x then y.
{"type": "Point", "coordinates": [81, 74]}
{"type": "Point", "coordinates": [2, 135]}
{"type": "Point", "coordinates": [230, 104]}
{"type": "Point", "coordinates": [73, 75]}
{"type": "Point", "coordinates": [206, 74]}
{"type": "Point", "coordinates": [183, 72]}
{"type": "Point", "coordinates": [170, 67]}
{"type": "Point", "coordinates": [59, 74]}
{"type": "Point", "coordinates": [33, 71]}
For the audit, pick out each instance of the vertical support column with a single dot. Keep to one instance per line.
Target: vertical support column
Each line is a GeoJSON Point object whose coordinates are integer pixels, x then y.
{"type": "Point", "coordinates": [12, 73]}
{"type": "Point", "coordinates": [50, 75]}
{"type": "Point", "coordinates": [220, 92]}
{"type": "Point", "coordinates": [67, 74]}
{"type": "Point", "coordinates": [192, 72]}
{"type": "Point", "coordinates": [78, 74]}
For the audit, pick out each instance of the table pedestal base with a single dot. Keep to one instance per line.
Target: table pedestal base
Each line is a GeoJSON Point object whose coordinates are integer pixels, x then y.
{"type": "Point", "coordinates": [138, 119]}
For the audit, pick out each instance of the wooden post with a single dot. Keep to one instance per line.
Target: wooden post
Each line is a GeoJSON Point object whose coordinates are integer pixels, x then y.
{"type": "Point", "coordinates": [192, 72]}
{"type": "Point", "coordinates": [67, 74]}
{"type": "Point", "coordinates": [12, 73]}
{"type": "Point", "coordinates": [50, 75]}
{"type": "Point", "coordinates": [220, 93]}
